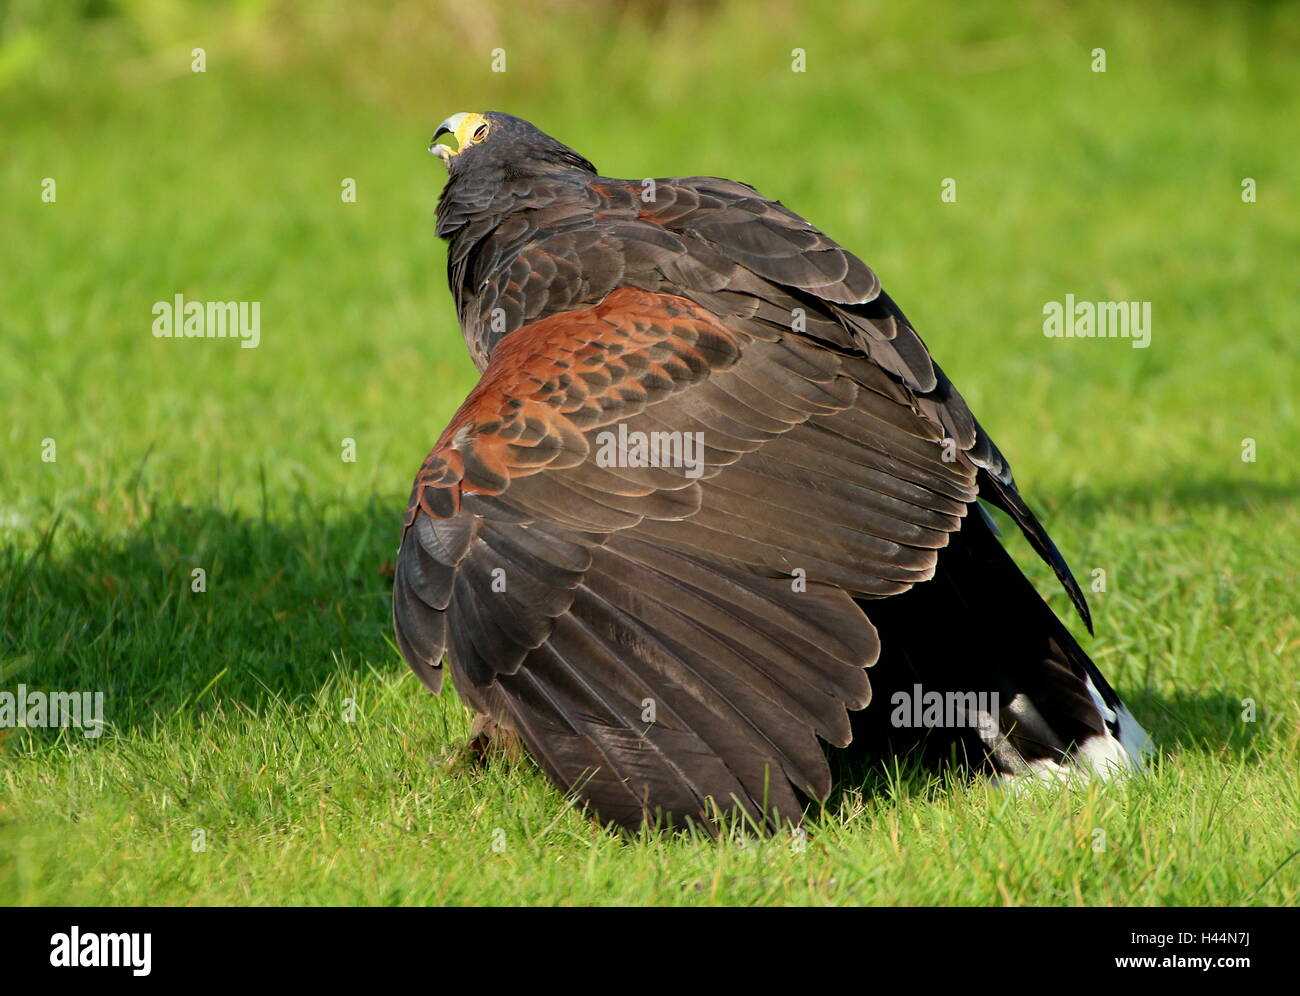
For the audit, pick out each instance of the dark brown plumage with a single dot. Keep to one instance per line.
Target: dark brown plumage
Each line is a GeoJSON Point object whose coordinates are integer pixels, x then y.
{"type": "Point", "coordinates": [662, 636]}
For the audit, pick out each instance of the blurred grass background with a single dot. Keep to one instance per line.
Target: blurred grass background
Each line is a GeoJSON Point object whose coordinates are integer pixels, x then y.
{"type": "Point", "coordinates": [225, 185]}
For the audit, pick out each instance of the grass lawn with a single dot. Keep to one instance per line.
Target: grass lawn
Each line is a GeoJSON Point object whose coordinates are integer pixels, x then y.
{"type": "Point", "coordinates": [264, 742]}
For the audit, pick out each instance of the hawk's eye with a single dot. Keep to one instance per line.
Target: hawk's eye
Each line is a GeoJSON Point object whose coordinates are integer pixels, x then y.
{"type": "Point", "coordinates": [480, 133]}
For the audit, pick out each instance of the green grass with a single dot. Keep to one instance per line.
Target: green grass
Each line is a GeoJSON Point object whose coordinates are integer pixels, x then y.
{"type": "Point", "coordinates": [226, 708]}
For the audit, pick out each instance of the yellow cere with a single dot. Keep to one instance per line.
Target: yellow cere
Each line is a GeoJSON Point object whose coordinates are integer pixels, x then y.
{"type": "Point", "coordinates": [462, 127]}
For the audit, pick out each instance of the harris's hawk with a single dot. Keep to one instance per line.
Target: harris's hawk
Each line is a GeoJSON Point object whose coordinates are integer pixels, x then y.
{"type": "Point", "coordinates": [709, 476]}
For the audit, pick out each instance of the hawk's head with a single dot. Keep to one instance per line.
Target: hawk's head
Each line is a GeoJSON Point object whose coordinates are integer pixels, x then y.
{"type": "Point", "coordinates": [493, 139]}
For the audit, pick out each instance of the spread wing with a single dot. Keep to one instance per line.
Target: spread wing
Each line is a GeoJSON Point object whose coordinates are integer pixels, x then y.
{"type": "Point", "coordinates": [750, 262]}
{"type": "Point", "coordinates": [640, 538]}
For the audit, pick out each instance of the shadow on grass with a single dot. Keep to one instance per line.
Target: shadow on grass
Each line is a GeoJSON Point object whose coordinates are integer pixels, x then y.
{"type": "Point", "coordinates": [1202, 723]}
{"type": "Point", "coordinates": [1186, 722]}
{"type": "Point", "coordinates": [283, 605]}
{"type": "Point", "coordinates": [287, 604]}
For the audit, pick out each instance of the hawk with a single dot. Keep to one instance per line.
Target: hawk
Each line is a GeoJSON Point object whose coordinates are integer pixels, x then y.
{"type": "Point", "coordinates": [712, 505]}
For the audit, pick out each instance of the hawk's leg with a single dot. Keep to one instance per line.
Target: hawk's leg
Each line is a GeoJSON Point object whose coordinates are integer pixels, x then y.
{"type": "Point", "coordinates": [490, 741]}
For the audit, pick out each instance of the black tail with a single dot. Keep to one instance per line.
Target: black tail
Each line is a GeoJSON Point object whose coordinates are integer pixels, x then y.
{"type": "Point", "coordinates": [979, 660]}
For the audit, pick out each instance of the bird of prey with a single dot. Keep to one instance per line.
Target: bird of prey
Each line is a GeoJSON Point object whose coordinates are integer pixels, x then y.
{"type": "Point", "coordinates": [712, 504]}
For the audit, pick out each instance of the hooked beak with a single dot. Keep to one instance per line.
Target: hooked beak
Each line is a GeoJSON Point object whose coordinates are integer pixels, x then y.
{"type": "Point", "coordinates": [458, 126]}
